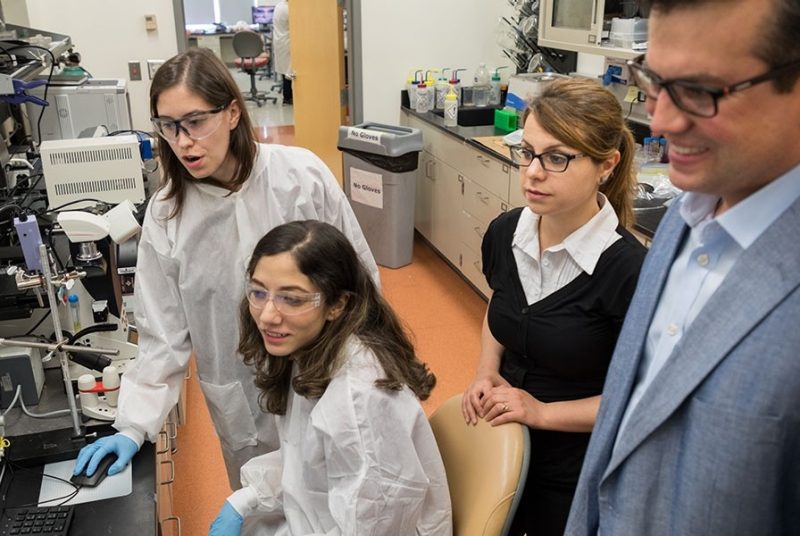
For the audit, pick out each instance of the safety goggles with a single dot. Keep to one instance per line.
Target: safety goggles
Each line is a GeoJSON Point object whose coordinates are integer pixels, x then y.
{"type": "Point", "coordinates": [288, 303]}
{"type": "Point", "coordinates": [196, 125]}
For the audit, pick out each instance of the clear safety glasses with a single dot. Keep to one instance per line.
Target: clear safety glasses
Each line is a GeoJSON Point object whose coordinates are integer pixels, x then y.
{"type": "Point", "coordinates": [196, 125]}
{"type": "Point", "coordinates": [692, 97]}
{"type": "Point", "coordinates": [550, 161]}
{"type": "Point", "coordinates": [288, 303]}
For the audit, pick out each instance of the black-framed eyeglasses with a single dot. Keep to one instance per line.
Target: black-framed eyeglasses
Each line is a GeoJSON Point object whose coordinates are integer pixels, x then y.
{"type": "Point", "coordinates": [692, 97]}
{"type": "Point", "coordinates": [288, 303]}
{"type": "Point", "coordinates": [550, 160]}
{"type": "Point", "coordinates": [197, 125]}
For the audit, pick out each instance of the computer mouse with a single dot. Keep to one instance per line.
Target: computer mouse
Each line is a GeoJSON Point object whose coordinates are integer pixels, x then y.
{"type": "Point", "coordinates": [99, 475]}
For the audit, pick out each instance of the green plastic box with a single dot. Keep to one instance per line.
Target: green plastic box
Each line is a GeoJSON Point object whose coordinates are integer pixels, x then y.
{"type": "Point", "coordinates": [505, 120]}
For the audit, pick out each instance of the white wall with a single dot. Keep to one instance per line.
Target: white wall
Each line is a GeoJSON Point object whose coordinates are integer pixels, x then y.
{"type": "Point", "coordinates": [108, 34]}
{"type": "Point", "coordinates": [399, 36]}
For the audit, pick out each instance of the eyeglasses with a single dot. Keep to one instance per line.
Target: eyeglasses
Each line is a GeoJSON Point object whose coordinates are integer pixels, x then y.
{"type": "Point", "coordinates": [196, 125]}
{"type": "Point", "coordinates": [691, 97]}
{"type": "Point", "coordinates": [551, 160]}
{"type": "Point", "coordinates": [288, 303]}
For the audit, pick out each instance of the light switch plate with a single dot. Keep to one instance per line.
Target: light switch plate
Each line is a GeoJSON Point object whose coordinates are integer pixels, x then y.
{"type": "Point", "coordinates": [150, 23]}
{"type": "Point", "coordinates": [152, 67]}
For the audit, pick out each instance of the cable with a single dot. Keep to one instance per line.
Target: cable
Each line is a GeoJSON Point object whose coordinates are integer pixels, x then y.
{"type": "Point", "coordinates": [49, 414]}
{"type": "Point", "coordinates": [46, 87]}
{"type": "Point", "coordinates": [10, 206]}
{"type": "Point", "coordinates": [84, 200]}
{"type": "Point", "coordinates": [17, 395]}
{"type": "Point", "coordinates": [39, 323]}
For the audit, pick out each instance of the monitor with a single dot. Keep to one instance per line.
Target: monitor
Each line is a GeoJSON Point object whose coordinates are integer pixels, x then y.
{"type": "Point", "coordinates": [263, 14]}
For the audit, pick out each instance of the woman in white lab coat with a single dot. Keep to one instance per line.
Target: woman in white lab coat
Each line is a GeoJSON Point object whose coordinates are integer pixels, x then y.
{"type": "Point", "coordinates": [340, 377]}
{"type": "Point", "coordinates": [221, 192]}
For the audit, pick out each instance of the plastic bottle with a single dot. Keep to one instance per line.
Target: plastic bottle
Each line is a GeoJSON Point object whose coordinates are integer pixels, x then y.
{"type": "Point", "coordinates": [441, 90]}
{"type": "Point", "coordinates": [451, 108]}
{"type": "Point", "coordinates": [495, 90]}
{"type": "Point", "coordinates": [424, 98]}
{"type": "Point", "coordinates": [482, 86]}
{"type": "Point", "coordinates": [412, 91]}
{"type": "Point", "coordinates": [74, 312]}
{"type": "Point", "coordinates": [455, 83]}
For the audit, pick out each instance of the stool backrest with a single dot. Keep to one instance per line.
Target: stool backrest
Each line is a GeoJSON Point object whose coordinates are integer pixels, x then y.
{"type": "Point", "coordinates": [486, 469]}
{"type": "Point", "coordinates": [248, 44]}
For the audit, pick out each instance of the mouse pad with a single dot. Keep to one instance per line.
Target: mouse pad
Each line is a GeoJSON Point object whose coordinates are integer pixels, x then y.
{"type": "Point", "coordinates": [118, 485]}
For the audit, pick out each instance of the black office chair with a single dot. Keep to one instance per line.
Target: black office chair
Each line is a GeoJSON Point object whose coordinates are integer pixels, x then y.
{"type": "Point", "coordinates": [249, 46]}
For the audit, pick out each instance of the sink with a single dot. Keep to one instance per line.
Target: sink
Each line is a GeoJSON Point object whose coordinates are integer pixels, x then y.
{"type": "Point", "coordinates": [473, 116]}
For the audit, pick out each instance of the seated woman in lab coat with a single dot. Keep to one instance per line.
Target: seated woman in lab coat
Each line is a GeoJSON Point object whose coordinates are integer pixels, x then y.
{"type": "Point", "coordinates": [340, 376]}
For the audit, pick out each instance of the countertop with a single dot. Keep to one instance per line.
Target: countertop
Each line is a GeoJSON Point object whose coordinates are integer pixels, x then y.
{"type": "Point", "coordinates": [646, 220]}
{"type": "Point", "coordinates": [39, 441]}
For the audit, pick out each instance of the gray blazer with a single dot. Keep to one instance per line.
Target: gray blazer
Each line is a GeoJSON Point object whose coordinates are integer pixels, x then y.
{"type": "Point", "coordinates": [713, 448]}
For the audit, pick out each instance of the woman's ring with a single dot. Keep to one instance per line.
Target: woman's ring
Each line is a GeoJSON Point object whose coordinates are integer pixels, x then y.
{"type": "Point", "coordinates": [505, 408]}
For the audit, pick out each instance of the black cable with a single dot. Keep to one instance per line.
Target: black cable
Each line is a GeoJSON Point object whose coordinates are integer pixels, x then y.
{"type": "Point", "coordinates": [11, 206]}
{"type": "Point", "coordinates": [13, 191]}
{"type": "Point", "coordinates": [55, 209]}
{"type": "Point", "coordinates": [630, 110]}
{"type": "Point", "coordinates": [39, 323]}
{"type": "Point", "coordinates": [32, 188]}
{"type": "Point", "coordinates": [47, 85]}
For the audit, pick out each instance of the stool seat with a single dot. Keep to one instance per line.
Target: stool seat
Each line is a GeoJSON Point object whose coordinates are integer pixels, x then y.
{"type": "Point", "coordinates": [249, 47]}
{"type": "Point", "coordinates": [253, 63]}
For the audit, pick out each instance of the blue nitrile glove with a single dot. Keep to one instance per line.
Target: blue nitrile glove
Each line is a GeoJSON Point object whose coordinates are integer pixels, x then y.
{"type": "Point", "coordinates": [228, 522]}
{"type": "Point", "coordinates": [90, 455]}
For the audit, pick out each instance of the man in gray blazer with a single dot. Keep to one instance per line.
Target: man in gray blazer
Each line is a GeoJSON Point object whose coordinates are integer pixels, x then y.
{"type": "Point", "coordinates": [698, 432]}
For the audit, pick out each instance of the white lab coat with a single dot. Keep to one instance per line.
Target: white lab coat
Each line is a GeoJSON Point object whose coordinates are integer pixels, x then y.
{"type": "Point", "coordinates": [358, 460]}
{"type": "Point", "coordinates": [280, 38]}
{"type": "Point", "coordinates": [189, 284]}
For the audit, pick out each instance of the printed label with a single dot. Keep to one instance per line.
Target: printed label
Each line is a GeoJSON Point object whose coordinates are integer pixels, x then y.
{"type": "Point", "coordinates": [361, 134]}
{"type": "Point", "coordinates": [366, 187]}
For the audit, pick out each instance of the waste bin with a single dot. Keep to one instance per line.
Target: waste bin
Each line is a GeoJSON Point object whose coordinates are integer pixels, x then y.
{"type": "Point", "coordinates": [380, 163]}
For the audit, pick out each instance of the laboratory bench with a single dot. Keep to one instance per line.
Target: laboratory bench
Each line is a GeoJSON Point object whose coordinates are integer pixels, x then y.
{"type": "Point", "coordinates": [465, 179]}
{"type": "Point", "coordinates": [147, 510]}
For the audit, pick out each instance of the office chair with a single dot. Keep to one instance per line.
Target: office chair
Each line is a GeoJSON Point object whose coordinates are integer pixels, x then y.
{"type": "Point", "coordinates": [249, 46]}
{"type": "Point", "coordinates": [486, 469]}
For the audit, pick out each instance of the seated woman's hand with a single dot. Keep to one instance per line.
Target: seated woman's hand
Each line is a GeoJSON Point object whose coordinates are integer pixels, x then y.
{"type": "Point", "coordinates": [472, 401]}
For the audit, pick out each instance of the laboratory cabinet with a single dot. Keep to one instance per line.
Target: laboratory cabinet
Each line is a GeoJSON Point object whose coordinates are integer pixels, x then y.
{"type": "Point", "coordinates": [577, 25]}
{"type": "Point", "coordinates": [460, 190]}
{"type": "Point", "coordinates": [168, 523]}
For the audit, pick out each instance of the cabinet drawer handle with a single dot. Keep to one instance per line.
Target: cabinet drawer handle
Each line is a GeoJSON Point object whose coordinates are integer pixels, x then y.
{"type": "Point", "coordinates": [477, 265]}
{"type": "Point", "coordinates": [177, 521]}
{"type": "Point", "coordinates": [505, 168]}
{"type": "Point", "coordinates": [163, 433]}
{"type": "Point", "coordinates": [503, 207]}
{"type": "Point", "coordinates": [428, 169]}
{"type": "Point", "coordinates": [483, 199]}
{"type": "Point", "coordinates": [478, 231]}
{"type": "Point", "coordinates": [482, 160]}
{"type": "Point", "coordinates": [171, 478]}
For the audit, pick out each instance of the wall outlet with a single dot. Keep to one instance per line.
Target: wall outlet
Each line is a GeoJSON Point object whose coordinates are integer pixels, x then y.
{"type": "Point", "coordinates": [152, 67]}
{"type": "Point", "coordinates": [150, 23]}
{"type": "Point", "coordinates": [134, 70]}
